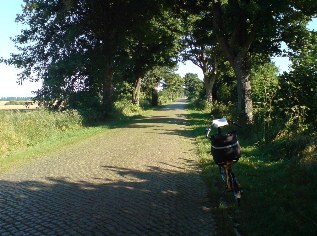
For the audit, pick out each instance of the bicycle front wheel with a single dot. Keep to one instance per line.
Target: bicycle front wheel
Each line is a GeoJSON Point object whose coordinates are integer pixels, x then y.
{"type": "Point", "coordinates": [235, 188]}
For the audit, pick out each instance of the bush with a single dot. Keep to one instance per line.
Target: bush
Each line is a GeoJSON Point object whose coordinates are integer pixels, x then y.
{"type": "Point", "coordinates": [202, 105]}
{"type": "Point", "coordinates": [22, 129]}
{"type": "Point", "coordinates": [276, 177]}
{"type": "Point", "coordinates": [219, 110]}
{"type": "Point", "coordinates": [126, 108]}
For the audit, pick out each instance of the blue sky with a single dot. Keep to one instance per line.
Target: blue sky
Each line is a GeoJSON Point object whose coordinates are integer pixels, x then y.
{"type": "Point", "coordinates": [8, 74]}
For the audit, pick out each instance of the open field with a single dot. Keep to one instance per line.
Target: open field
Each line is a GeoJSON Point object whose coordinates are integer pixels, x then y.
{"type": "Point", "coordinates": [16, 107]}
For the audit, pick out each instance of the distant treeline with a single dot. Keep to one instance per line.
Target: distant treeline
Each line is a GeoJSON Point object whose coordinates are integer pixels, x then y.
{"type": "Point", "coordinates": [15, 98]}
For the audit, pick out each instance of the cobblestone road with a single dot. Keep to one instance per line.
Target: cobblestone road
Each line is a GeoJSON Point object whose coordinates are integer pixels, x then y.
{"type": "Point", "coordinates": [138, 180]}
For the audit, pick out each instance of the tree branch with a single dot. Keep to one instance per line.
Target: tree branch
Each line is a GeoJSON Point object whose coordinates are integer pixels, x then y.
{"type": "Point", "coordinates": [250, 37]}
{"type": "Point", "coordinates": [219, 31]}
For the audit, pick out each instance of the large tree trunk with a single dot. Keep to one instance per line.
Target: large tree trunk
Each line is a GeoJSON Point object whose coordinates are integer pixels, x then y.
{"type": "Point", "coordinates": [209, 81]}
{"type": "Point", "coordinates": [136, 91]}
{"type": "Point", "coordinates": [236, 49]}
{"type": "Point", "coordinates": [155, 96]}
{"type": "Point", "coordinates": [107, 89]}
{"type": "Point", "coordinates": [245, 106]}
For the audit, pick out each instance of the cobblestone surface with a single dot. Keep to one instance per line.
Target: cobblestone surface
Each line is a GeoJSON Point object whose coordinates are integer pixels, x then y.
{"type": "Point", "coordinates": [138, 180]}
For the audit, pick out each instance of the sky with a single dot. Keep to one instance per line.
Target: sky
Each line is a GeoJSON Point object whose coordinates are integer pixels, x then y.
{"type": "Point", "coordinates": [8, 74]}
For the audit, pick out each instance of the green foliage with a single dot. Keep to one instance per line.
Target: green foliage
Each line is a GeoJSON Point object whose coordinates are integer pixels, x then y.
{"type": "Point", "coordinates": [201, 104]}
{"type": "Point", "coordinates": [193, 86]}
{"type": "Point", "coordinates": [75, 46]}
{"type": "Point", "coordinates": [219, 110]}
{"type": "Point", "coordinates": [23, 129]}
{"type": "Point", "coordinates": [154, 42]}
{"type": "Point", "coordinates": [266, 85]}
{"type": "Point", "coordinates": [225, 88]}
{"type": "Point", "coordinates": [296, 119]}
{"type": "Point", "coordinates": [247, 28]}
{"type": "Point", "coordinates": [278, 181]}
{"type": "Point", "coordinates": [299, 86]}
{"type": "Point", "coordinates": [123, 90]}
{"type": "Point", "coordinates": [126, 108]}
{"type": "Point", "coordinates": [167, 96]}
{"type": "Point", "coordinates": [173, 88]}
{"type": "Point", "coordinates": [165, 79]}
{"type": "Point", "coordinates": [83, 99]}
{"type": "Point", "coordinates": [201, 47]}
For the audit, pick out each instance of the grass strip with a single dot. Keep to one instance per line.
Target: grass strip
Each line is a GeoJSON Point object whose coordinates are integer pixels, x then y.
{"type": "Point", "coordinates": [17, 158]}
{"type": "Point", "coordinates": [58, 140]}
{"type": "Point", "coordinates": [279, 194]}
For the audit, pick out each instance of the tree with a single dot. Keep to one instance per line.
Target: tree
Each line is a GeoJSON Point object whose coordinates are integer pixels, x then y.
{"type": "Point", "coordinates": [246, 27]}
{"type": "Point", "coordinates": [53, 49]}
{"type": "Point", "coordinates": [153, 79]}
{"type": "Point", "coordinates": [154, 43]}
{"type": "Point", "coordinates": [72, 44]}
{"type": "Point", "coordinates": [299, 85]}
{"type": "Point", "coordinates": [193, 86]}
{"type": "Point", "coordinates": [265, 90]}
{"type": "Point", "coordinates": [202, 49]}
{"type": "Point", "coordinates": [173, 86]}
{"type": "Point", "coordinates": [225, 87]}
{"type": "Point", "coordinates": [265, 83]}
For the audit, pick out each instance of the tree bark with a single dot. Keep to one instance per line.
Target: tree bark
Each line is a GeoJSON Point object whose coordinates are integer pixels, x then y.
{"type": "Point", "coordinates": [209, 81]}
{"type": "Point", "coordinates": [245, 106]}
{"type": "Point", "coordinates": [136, 91]}
{"type": "Point", "coordinates": [155, 94]}
{"type": "Point", "coordinates": [107, 88]}
{"type": "Point", "coordinates": [236, 50]}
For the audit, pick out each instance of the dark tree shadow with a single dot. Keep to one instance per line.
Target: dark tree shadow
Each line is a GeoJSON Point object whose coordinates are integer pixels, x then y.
{"type": "Point", "coordinates": [155, 201]}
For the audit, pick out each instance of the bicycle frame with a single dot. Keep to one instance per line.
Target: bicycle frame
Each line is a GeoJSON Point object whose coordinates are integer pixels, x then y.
{"type": "Point", "coordinates": [231, 181]}
{"type": "Point", "coordinates": [225, 167]}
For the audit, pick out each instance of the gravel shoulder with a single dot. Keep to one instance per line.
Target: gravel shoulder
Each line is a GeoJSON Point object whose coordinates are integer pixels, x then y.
{"type": "Point", "coordinates": [137, 180]}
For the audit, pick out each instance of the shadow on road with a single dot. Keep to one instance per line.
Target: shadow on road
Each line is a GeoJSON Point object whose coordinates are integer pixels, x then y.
{"type": "Point", "coordinates": [146, 200]}
{"type": "Point", "coordinates": [155, 201]}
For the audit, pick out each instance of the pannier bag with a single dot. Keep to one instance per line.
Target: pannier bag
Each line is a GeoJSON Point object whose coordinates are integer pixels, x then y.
{"type": "Point", "coordinates": [225, 147]}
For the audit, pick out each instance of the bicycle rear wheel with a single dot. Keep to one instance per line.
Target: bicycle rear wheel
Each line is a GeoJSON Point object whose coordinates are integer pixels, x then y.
{"type": "Point", "coordinates": [236, 190]}
{"type": "Point", "coordinates": [222, 173]}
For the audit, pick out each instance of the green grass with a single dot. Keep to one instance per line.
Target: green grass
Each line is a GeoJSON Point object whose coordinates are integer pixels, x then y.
{"type": "Point", "coordinates": [279, 193]}
{"type": "Point", "coordinates": [280, 190]}
{"type": "Point", "coordinates": [26, 129]}
{"type": "Point", "coordinates": [22, 156]}
{"type": "Point", "coordinates": [26, 136]}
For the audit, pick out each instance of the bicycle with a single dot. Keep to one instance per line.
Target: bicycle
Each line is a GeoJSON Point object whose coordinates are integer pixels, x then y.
{"type": "Point", "coordinates": [225, 149]}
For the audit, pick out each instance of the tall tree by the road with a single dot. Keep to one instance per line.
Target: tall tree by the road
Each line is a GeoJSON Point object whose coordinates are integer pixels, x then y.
{"type": "Point", "coordinates": [202, 48]}
{"type": "Point", "coordinates": [250, 26]}
{"type": "Point", "coordinates": [193, 86]}
{"type": "Point", "coordinates": [154, 43]}
{"type": "Point", "coordinates": [72, 45]}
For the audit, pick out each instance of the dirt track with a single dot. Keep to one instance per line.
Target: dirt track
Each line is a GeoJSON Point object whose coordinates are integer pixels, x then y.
{"type": "Point", "coordinates": [137, 180]}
